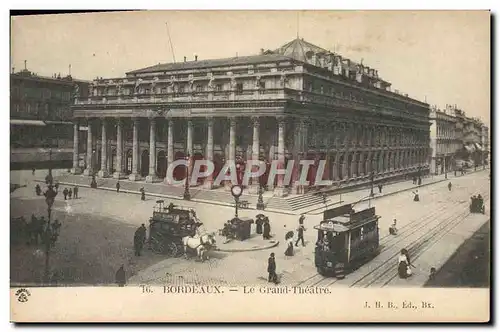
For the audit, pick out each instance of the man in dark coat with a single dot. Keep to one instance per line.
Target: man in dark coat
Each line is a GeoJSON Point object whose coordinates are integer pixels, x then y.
{"type": "Point", "coordinates": [301, 219]}
{"type": "Point", "coordinates": [266, 235]}
{"type": "Point", "coordinates": [300, 237]}
{"type": "Point", "coordinates": [65, 193]}
{"type": "Point", "coordinates": [271, 269]}
{"type": "Point", "coordinates": [75, 192]}
{"type": "Point", "coordinates": [70, 193]}
{"type": "Point", "coordinates": [380, 188]}
{"type": "Point", "coordinates": [118, 186]}
{"type": "Point", "coordinates": [449, 186]}
{"type": "Point", "coordinates": [419, 181]}
{"type": "Point", "coordinates": [258, 225]}
{"type": "Point", "coordinates": [143, 194]}
{"type": "Point", "coordinates": [120, 277]}
{"type": "Point", "coordinates": [139, 239]}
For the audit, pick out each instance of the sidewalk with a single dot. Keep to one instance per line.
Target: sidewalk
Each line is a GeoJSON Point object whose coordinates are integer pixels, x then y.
{"type": "Point", "coordinates": [223, 198]}
{"type": "Point", "coordinates": [387, 190]}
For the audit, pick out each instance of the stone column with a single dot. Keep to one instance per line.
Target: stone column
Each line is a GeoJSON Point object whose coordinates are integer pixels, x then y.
{"type": "Point", "coordinates": [361, 165]}
{"type": "Point", "coordinates": [119, 151]}
{"type": "Point", "coordinates": [134, 176]}
{"type": "Point", "coordinates": [280, 190]}
{"type": "Point", "coordinates": [354, 166]}
{"type": "Point", "coordinates": [210, 151]}
{"type": "Point", "coordinates": [345, 166]}
{"type": "Point", "coordinates": [89, 171]}
{"type": "Point", "coordinates": [76, 144]}
{"type": "Point", "coordinates": [170, 148]}
{"type": "Point", "coordinates": [152, 152]}
{"type": "Point", "coordinates": [231, 147]}
{"type": "Point", "coordinates": [255, 183]}
{"type": "Point", "coordinates": [103, 173]}
{"type": "Point", "coordinates": [189, 145]}
{"type": "Point", "coordinates": [232, 139]}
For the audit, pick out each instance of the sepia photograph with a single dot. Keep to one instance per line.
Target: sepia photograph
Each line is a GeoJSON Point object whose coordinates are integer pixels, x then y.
{"type": "Point", "coordinates": [244, 159]}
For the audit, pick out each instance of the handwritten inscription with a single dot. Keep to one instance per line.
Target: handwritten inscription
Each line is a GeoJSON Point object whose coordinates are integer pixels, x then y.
{"type": "Point", "coordinates": [393, 305]}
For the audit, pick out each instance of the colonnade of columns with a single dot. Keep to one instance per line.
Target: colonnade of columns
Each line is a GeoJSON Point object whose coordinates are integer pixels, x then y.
{"type": "Point", "coordinates": [353, 150]}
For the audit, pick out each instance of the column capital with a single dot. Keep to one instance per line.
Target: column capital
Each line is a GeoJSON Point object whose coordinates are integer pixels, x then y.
{"type": "Point", "coordinates": [232, 122]}
{"type": "Point", "coordinates": [280, 120]}
{"type": "Point", "coordinates": [255, 121]}
{"type": "Point", "coordinates": [135, 120]}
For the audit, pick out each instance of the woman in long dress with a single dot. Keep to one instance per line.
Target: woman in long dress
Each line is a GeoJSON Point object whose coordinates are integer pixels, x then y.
{"type": "Point", "coordinates": [404, 264]}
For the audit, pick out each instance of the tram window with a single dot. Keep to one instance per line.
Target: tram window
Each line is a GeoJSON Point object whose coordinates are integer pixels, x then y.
{"type": "Point", "coordinates": [356, 234]}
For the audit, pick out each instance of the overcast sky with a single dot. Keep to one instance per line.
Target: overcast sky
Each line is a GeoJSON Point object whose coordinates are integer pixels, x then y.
{"type": "Point", "coordinates": [443, 57]}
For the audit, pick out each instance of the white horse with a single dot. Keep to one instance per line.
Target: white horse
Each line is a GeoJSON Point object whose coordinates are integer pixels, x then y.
{"type": "Point", "coordinates": [201, 243]}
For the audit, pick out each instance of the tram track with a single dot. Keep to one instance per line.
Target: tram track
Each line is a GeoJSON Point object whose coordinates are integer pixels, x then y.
{"type": "Point", "coordinates": [415, 248]}
{"type": "Point", "coordinates": [410, 228]}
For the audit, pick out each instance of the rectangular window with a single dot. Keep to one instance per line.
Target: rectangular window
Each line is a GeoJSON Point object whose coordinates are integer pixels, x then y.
{"type": "Point", "coordinates": [199, 88]}
{"type": "Point", "coordinates": [239, 87]}
{"type": "Point", "coordinates": [181, 89]}
{"type": "Point", "coordinates": [218, 87]}
{"type": "Point", "coordinates": [163, 90]}
{"type": "Point", "coordinates": [262, 84]}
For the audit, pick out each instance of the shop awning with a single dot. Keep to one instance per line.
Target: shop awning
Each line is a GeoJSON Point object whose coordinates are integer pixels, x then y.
{"type": "Point", "coordinates": [17, 122]}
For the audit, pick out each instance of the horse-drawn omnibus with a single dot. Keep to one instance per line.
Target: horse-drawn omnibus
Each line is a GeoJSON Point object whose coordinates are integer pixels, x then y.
{"type": "Point", "coordinates": [346, 239]}
{"type": "Point", "coordinates": [168, 226]}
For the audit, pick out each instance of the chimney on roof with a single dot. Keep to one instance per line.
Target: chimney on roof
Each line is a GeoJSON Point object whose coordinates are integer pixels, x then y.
{"type": "Point", "coordinates": [185, 59]}
{"type": "Point", "coordinates": [25, 67]}
{"type": "Point", "coordinates": [261, 51]}
{"type": "Point", "coordinates": [195, 57]}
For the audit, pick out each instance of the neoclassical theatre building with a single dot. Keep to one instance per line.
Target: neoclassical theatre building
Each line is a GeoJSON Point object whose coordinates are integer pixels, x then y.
{"type": "Point", "coordinates": [297, 102]}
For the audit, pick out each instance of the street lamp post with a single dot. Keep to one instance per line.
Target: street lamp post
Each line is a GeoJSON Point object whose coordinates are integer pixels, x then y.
{"type": "Point", "coordinates": [236, 191]}
{"type": "Point", "coordinates": [187, 194]}
{"type": "Point", "coordinates": [50, 196]}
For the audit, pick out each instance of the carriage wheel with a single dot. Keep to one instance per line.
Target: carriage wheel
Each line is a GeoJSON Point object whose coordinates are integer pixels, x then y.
{"type": "Point", "coordinates": [173, 250]}
{"type": "Point", "coordinates": [157, 246]}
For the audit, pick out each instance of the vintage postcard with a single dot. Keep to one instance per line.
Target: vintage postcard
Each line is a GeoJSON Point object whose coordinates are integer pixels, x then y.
{"type": "Point", "coordinates": [250, 166]}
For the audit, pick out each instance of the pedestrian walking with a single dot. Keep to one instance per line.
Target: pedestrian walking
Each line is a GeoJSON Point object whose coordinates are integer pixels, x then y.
{"type": "Point", "coordinates": [419, 181]}
{"type": "Point", "coordinates": [75, 192]}
{"type": "Point", "coordinates": [143, 194]}
{"type": "Point", "coordinates": [33, 172]}
{"type": "Point", "coordinates": [38, 190]}
{"type": "Point", "coordinates": [449, 186]}
{"type": "Point", "coordinates": [380, 188]}
{"type": "Point", "coordinates": [70, 193]}
{"type": "Point", "coordinates": [393, 229]}
{"type": "Point", "coordinates": [139, 239]}
{"type": "Point", "coordinates": [416, 197]}
{"type": "Point", "coordinates": [271, 269]}
{"type": "Point", "coordinates": [266, 234]}
{"type": "Point", "coordinates": [301, 220]}
{"type": "Point", "coordinates": [404, 264]}
{"type": "Point", "coordinates": [65, 193]}
{"type": "Point", "coordinates": [300, 236]}
{"type": "Point", "coordinates": [414, 180]}
{"type": "Point", "coordinates": [120, 277]}
{"type": "Point", "coordinates": [118, 186]}
{"type": "Point", "coordinates": [432, 274]}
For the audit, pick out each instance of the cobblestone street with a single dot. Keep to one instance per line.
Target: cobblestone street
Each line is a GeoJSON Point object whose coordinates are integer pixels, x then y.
{"type": "Point", "coordinates": [97, 232]}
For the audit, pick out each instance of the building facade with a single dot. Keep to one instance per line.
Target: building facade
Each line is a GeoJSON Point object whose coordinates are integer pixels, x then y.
{"type": "Point", "coordinates": [485, 142]}
{"type": "Point", "coordinates": [297, 102]}
{"type": "Point", "coordinates": [445, 140]}
{"type": "Point", "coordinates": [40, 118]}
